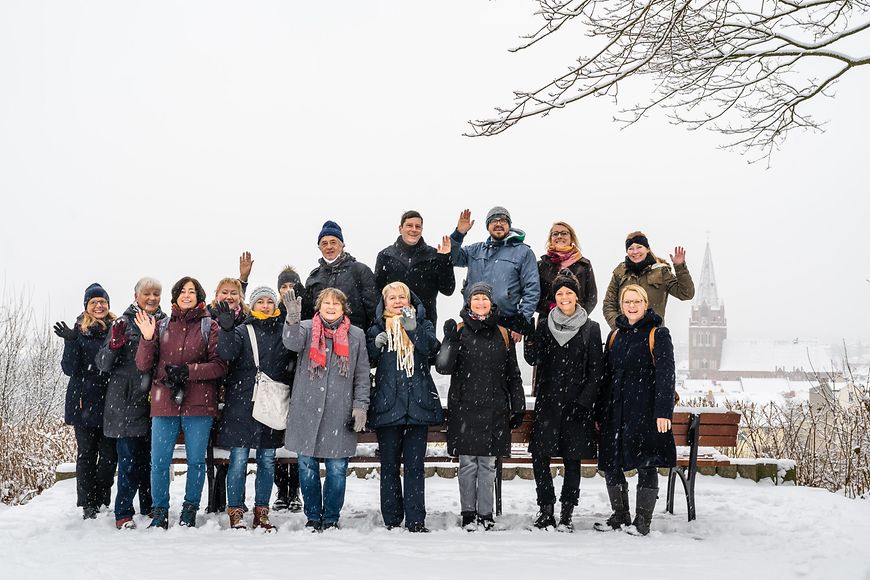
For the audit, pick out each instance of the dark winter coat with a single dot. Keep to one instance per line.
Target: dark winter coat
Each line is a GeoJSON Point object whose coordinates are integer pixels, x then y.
{"type": "Point", "coordinates": [582, 269]}
{"type": "Point", "coordinates": [568, 383]}
{"type": "Point", "coordinates": [421, 267]}
{"type": "Point", "coordinates": [485, 388]}
{"type": "Point", "coordinates": [353, 278]}
{"type": "Point", "coordinates": [182, 343]}
{"type": "Point", "coordinates": [237, 426]}
{"type": "Point", "coordinates": [86, 390]}
{"type": "Point", "coordinates": [637, 392]}
{"type": "Point", "coordinates": [396, 398]}
{"type": "Point", "coordinates": [127, 408]}
{"type": "Point", "coordinates": [657, 279]}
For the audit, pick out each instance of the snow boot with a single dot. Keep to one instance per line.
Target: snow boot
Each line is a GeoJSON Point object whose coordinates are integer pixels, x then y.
{"type": "Point", "coordinates": [565, 523]}
{"type": "Point", "coordinates": [486, 522]}
{"type": "Point", "coordinates": [125, 523]}
{"type": "Point", "coordinates": [237, 521]}
{"type": "Point", "coordinates": [418, 528]}
{"type": "Point", "coordinates": [469, 521]}
{"type": "Point", "coordinates": [314, 526]}
{"type": "Point", "coordinates": [646, 503]}
{"type": "Point", "coordinates": [295, 504]}
{"type": "Point", "coordinates": [261, 518]}
{"type": "Point", "coordinates": [619, 503]}
{"type": "Point", "coordinates": [90, 513]}
{"type": "Point", "coordinates": [545, 517]}
{"type": "Point", "coordinates": [188, 516]}
{"type": "Point", "coordinates": [161, 518]}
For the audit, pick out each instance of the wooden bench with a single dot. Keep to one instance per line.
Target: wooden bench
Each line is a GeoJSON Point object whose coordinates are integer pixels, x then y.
{"type": "Point", "coordinates": [692, 428]}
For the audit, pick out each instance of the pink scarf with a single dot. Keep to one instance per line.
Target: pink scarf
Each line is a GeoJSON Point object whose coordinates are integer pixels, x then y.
{"type": "Point", "coordinates": [563, 256]}
{"type": "Point", "coordinates": [317, 351]}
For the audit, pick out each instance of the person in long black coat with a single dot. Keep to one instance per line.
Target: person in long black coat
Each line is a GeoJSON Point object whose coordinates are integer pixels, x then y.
{"type": "Point", "coordinates": [96, 457]}
{"type": "Point", "coordinates": [404, 402]}
{"type": "Point", "coordinates": [566, 353]}
{"type": "Point", "coordinates": [338, 269]}
{"type": "Point", "coordinates": [237, 428]}
{"type": "Point", "coordinates": [636, 408]}
{"type": "Point", "coordinates": [127, 415]}
{"type": "Point", "coordinates": [485, 400]}
{"type": "Point", "coordinates": [427, 271]}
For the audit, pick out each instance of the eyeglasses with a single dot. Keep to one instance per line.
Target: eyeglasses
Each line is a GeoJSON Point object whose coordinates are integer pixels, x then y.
{"type": "Point", "coordinates": [633, 302]}
{"type": "Point", "coordinates": [499, 220]}
{"type": "Point", "coordinates": [560, 235]}
{"type": "Point", "coordinates": [97, 302]}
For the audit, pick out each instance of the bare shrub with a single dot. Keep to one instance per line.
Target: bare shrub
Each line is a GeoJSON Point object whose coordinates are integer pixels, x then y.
{"type": "Point", "coordinates": [29, 453]}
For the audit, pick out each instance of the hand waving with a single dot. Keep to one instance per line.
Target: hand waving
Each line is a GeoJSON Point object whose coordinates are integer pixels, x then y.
{"type": "Point", "coordinates": [465, 222]}
{"type": "Point", "coordinates": [245, 265]}
{"type": "Point", "coordinates": [293, 306]}
{"type": "Point", "coordinates": [146, 325]}
{"type": "Point", "coordinates": [64, 331]}
{"type": "Point", "coordinates": [445, 245]}
{"type": "Point", "coordinates": [226, 318]}
{"type": "Point", "coordinates": [679, 256]}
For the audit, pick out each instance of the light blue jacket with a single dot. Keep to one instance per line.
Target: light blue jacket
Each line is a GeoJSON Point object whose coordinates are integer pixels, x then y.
{"type": "Point", "coordinates": [508, 265]}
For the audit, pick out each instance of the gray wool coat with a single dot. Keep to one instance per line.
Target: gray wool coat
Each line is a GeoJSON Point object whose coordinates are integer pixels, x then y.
{"type": "Point", "coordinates": [321, 403]}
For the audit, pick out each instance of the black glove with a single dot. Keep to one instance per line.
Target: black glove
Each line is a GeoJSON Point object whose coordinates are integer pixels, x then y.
{"type": "Point", "coordinates": [517, 419]}
{"type": "Point", "coordinates": [226, 318]}
{"type": "Point", "coordinates": [176, 380]}
{"type": "Point", "coordinates": [450, 330]}
{"type": "Point", "coordinates": [64, 331]}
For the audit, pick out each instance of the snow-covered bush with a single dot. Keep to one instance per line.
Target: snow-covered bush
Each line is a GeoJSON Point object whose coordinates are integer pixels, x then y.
{"type": "Point", "coordinates": [29, 453]}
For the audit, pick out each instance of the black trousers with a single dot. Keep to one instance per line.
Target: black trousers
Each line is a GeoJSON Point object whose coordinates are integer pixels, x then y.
{"type": "Point", "coordinates": [544, 481]}
{"type": "Point", "coordinates": [96, 460]}
{"type": "Point", "coordinates": [287, 480]}
{"type": "Point", "coordinates": [646, 477]}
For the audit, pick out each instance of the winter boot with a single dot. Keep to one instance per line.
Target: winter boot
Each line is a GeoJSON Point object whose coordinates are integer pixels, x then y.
{"type": "Point", "coordinates": [237, 521]}
{"type": "Point", "coordinates": [545, 517]}
{"type": "Point", "coordinates": [261, 518]}
{"type": "Point", "coordinates": [619, 503]}
{"type": "Point", "coordinates": [295, 504]}
{"type": "Point", "coordinates": [469, 521]}
{"type": "Point", "coordinates": [314, 526]}
{"type": "Point", "coordinates": [125, 523]}
{"type": "Point", "coordinates": [161, 518]}
{"type": "Point", "coordinates": [486, 522]}
{"type": "Point", "coordinates": [565, 523]}
{"type": "Point", "coordinates": [188, 515]}
{"type": "Point", "coordinates": [646, 503]}
{"type": "Point", "coordinates": [90, 513]}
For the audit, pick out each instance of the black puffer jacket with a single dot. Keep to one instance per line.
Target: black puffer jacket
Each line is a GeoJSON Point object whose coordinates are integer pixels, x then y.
{"type": "Point", "coordinates": [86, 390]}
{"type": "Point", "coordinates": [637, 391]}
{"type": "Point", "coordinates": [485, 388]}
{"type": "Point", "coordinates": [237, 427]}
{"type": "Point", "coordinates": [128, 409]}
{"type": "Point", "coordinates": [421, 267]}
{"type": "Point", "coordinates": [568, 383]}
{"type": "Point", "coordinates": [353, 278]}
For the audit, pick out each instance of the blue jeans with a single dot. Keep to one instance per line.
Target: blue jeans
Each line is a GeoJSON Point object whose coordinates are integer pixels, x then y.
{"type": "Point", "coordinates": [325, 506]}
{"type": "Point", "coordinates": [238, 469]}
{"type": "Point", "coordinates": [403, 444]}
{"type": "Point", "coordinates": [164, 432]}
{"type": "Point", "coordinates": [134, 475]}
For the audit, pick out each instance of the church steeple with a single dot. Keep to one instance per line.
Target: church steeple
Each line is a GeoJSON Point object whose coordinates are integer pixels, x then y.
{"type": "Point", "coordinates": [707, 291]}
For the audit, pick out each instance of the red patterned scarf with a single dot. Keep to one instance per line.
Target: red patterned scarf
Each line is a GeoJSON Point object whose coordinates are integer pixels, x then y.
{"type": "Point", "coordinates": [339, 335]}
{"type": "Point", "coordinates": [563, 256]}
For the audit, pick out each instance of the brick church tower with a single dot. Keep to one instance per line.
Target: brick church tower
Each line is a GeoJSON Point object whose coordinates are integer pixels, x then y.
{"type": "Point", "coordinates": [707, 327]}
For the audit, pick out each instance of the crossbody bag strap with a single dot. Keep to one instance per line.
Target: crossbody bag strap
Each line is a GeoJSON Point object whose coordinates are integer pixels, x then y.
{"type": "Point", "coordinates": [254, 348]}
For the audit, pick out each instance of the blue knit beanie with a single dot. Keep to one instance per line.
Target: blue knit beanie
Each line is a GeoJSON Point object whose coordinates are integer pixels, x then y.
{"type": "Point", "coordinates": [330, 228]}
{"type": "Point", "coordinates": [95, 291]}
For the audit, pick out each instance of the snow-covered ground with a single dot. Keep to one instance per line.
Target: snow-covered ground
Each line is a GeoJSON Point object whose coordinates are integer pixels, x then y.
{"type": "Point", "coordinates": [744, 531]}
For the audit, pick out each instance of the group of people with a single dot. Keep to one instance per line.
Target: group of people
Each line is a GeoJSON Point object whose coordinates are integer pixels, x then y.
{"type": "Point", "coordinates": [139, 379]}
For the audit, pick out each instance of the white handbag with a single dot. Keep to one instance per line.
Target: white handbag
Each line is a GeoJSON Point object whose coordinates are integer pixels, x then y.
{"type": "Point", "coordinates": [271, 398]}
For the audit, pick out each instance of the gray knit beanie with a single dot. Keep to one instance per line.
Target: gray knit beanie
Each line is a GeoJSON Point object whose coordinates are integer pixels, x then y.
{"type": "Point", "coordinates": [497, 212]}
{"type": "Point", "coordinates": [262, 292]}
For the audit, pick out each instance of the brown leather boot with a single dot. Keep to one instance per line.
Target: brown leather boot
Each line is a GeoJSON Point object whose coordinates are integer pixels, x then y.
{"type": "Point", "coordinates": [261, 518]}
{"type": "Point", "coordinates": [236, 518]}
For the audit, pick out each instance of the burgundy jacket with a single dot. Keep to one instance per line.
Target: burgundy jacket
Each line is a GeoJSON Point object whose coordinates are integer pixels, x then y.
{"type": "Point", "coordinates": [181, 343]}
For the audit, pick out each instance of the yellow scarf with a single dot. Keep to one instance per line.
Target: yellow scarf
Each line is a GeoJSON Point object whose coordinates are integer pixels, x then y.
{"type": "Point", "coordinates": [262, 316]}
{"type": "Point", "coordinates": [399, 342]}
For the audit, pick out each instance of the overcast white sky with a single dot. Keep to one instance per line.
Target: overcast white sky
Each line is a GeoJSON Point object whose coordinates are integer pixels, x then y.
{"type": "Point", "coordinates": [162, 138]}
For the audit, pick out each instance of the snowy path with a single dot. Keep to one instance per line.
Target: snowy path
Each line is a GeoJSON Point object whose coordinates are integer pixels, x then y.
{"type": "Point", "coordinates": [744, 531]}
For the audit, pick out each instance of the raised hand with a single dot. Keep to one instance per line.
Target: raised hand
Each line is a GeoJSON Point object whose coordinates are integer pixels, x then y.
{"type": "Point", "coordinates": [450, 330]}
{"type": "Point", "coordinates": [226, 318]}
{"type": "Point", "coordinates": [64, 331]}
{"type": "Point", "coordinates": [679, 256]}
{"type": "Point", "coordinates": [119, 334]}
{"type": "Point", "coordinates": [408, 319]}
{"type": "Point", "coordinates": [245, 265]}
{"type": "Point", "coordinates": [445, 245]}
{"type": "Point", "coordinates": [465, 222]}
{"type": "Point", "coordinates": [146, 325]}
{"type": "Point", "coordinates": [293, 306]}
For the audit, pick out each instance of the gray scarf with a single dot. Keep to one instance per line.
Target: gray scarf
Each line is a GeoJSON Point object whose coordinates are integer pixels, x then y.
{"type": "Point", "coordinates": [565, 327]}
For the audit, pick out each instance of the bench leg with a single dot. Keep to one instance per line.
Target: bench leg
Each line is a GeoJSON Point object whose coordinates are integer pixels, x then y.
{"type": "Point", "coordinates": [688, 488]}
{"type": "Point", "coordinates": [672, 482]}
{"type": "Point", "coordinates": [209, 476]}
{"type": "Point", "coordinates": [498, 486]}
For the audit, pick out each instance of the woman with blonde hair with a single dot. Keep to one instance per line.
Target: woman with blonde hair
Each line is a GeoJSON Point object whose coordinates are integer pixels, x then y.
{"type": "Point", "coordinates": [96, 456]}
{"type": "Point", "coordinates": [564, 253]}
{"type": "Point", "coordinates": [653, 274]}
{"type": "Point", "coordinates": [231, 291]}
{"type": "Point", "coordinates": [405, 402]}
{"type": "Point", "coordinates": [635, 410]}
{"type": "Point", "coordinates": [329, 401]}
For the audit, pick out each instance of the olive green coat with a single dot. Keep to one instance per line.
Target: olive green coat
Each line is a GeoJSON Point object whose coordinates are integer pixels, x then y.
{"type": "Point", "coordinates": [658, 280]}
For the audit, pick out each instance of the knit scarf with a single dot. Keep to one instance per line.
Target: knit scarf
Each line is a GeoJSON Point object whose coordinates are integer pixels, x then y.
{"type": "Point", "coordinates": [639, 267]}
{"type": "Point", "coordinates": [563, 327]}
{"type": "Point", "coordinates": [475, 316]}
{"type": "Point", "coordinates": [338, 332]}
{"type": "Point", "coordinates": [261, 316]}
{"type": "Point", "coordinates": [563, 256]}
{"type": "Point", "coordinates": [398, 342]}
